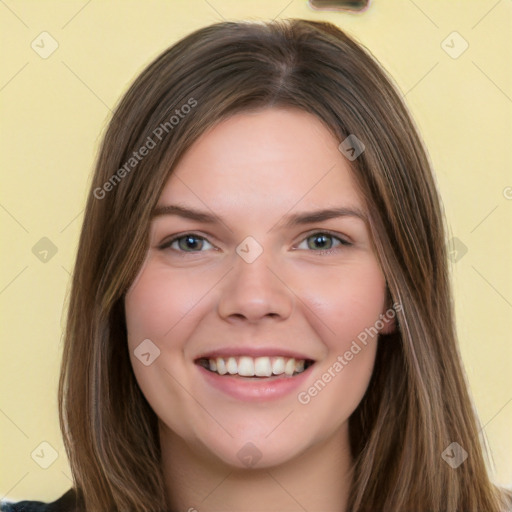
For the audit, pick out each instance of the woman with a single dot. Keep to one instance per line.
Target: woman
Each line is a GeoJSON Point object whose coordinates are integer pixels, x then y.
{"type": "Point", "coordinates": [260, 316]}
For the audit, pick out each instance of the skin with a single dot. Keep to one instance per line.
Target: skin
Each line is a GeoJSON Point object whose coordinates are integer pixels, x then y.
{"type": "Point", "coordinates": [251, 170]}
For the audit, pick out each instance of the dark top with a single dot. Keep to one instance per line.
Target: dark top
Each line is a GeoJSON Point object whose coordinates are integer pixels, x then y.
{"type": "Point", "coordinates": [66, 503]}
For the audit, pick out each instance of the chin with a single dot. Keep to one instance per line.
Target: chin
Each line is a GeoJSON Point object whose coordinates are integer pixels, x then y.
{"type": "Point", "coordinates": [257, 449]}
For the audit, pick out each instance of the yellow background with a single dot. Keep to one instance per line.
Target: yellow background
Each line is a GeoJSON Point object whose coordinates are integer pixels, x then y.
{"type": "Point", "coordinates": [54, 112]}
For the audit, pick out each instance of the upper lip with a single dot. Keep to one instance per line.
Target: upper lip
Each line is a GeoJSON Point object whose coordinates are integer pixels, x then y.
{"type": "Point", "coordinates": [252, 352]}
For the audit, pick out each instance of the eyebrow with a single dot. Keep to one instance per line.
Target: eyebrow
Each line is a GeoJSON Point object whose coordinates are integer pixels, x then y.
{"type": "Point", "coordinates": [290, 220]}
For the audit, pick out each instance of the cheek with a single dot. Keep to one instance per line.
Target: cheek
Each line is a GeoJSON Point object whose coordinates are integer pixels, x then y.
{"type": "Point", "coordinates": [344, 309]}
{"type": "Point", "coordinates": [157, 308]}
{"type": "Point", "coordinates": [345, 303]}
{"type": "Point", "coordinates": [161, 307]}
{"type": "Point", "coordinates": [159, 301]}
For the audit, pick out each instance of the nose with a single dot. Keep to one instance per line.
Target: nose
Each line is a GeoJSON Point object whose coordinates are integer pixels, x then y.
{"type": "Point", "coordinates": [253, 292]}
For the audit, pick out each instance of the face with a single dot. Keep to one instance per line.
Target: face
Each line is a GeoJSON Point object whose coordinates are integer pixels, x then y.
{"type": "Point", "coordinates": [252, 326]}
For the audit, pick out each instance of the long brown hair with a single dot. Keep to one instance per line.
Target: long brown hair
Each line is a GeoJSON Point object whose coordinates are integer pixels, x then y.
{"type": "Point", "coordinates": [417, 402]}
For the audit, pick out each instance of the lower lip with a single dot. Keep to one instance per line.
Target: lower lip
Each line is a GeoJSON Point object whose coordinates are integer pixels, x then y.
{"type": "Point", "coordinates": [254, 390]}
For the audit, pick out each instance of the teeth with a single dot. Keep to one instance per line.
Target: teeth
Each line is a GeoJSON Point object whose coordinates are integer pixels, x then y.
{"type": "Point", "coordinates": [246, 366]}
{"type": "Point", "coordinates": [278, 366]}
{"type": "Point", "coordinates": [262, 367]}
{"type": "Point", "coordinates": [231, 366]}
{"type": "Point", "coordinates": [221, 366]}
{"type": "Point", "coordinates": [289, 367]}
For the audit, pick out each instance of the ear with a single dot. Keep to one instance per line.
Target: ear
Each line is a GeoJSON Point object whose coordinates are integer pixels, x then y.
{"type": "Point", "coordinates": [388, 316]}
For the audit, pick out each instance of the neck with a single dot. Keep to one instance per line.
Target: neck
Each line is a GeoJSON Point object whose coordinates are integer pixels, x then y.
{"type": "Point", "coordinates": [319, 479]}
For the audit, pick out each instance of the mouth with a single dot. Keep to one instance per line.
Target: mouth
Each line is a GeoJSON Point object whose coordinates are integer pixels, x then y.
{"type": "Point", "coordinates": [255, 368]}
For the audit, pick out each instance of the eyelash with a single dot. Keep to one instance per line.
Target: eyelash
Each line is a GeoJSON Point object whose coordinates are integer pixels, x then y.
{"type": "Point", "coordinates": [342, 242]}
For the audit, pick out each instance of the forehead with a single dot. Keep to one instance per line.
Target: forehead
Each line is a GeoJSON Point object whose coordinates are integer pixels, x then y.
{"type": "Point", "coordinates": [268, 159]}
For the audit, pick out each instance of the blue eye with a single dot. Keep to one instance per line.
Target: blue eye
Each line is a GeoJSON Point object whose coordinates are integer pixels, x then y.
{"type": "Point", "coordinates": [192, 243]}
{"type": "Point", "coordinates": [322, 241]}
{"type": "Point", "coordinates": [187, 243]}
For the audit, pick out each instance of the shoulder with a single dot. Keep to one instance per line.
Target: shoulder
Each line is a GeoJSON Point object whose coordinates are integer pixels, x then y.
{"type": "Point", "coordinates": [66, 503]}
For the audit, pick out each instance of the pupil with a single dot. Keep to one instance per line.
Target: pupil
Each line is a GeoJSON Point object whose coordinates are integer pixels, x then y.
{"type": "Point", "coordinates": [321, 241]}
{"type": "Point", "coordinates": [190, 242]}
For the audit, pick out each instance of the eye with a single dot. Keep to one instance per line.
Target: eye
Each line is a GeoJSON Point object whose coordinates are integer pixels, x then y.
{"type": "Point", "coordinates": [322, 241]}
{"type": "Point", "coordinates": [190, 242]}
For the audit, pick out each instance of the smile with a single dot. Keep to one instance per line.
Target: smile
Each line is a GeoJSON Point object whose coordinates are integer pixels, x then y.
{"type": "Point", "coordinates": [247, 366]}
